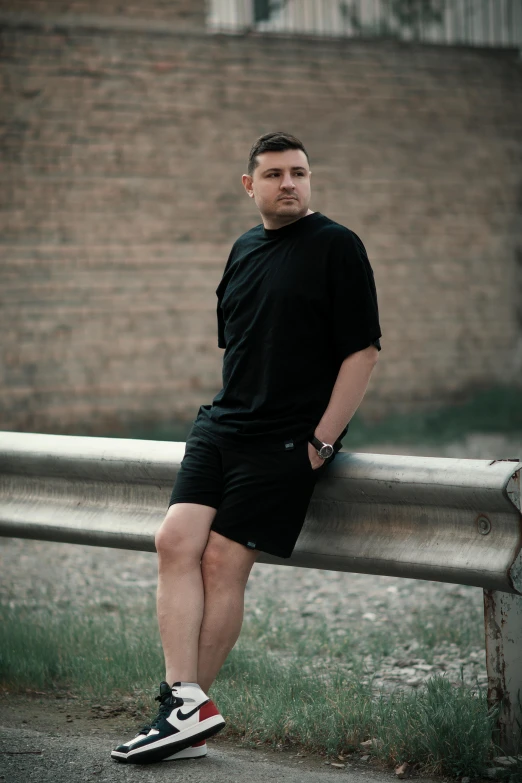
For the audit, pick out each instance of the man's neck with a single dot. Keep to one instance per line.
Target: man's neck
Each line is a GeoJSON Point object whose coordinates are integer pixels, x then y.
{"type": "Point", "coordinates": [272, 224]}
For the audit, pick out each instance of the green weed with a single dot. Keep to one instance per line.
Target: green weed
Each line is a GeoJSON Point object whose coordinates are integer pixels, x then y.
{"type": "Point", "coordinates": [442, 727]}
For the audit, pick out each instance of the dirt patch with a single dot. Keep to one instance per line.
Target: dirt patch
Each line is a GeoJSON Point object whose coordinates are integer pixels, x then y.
{"type": "Point", "coordinates": [64, 714]}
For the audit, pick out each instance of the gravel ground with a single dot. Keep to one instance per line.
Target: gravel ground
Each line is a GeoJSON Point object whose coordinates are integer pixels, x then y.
{"type": "Point", "coordinates": [53, 756]}
{"type": "Point", "coordinates": [41, 573]}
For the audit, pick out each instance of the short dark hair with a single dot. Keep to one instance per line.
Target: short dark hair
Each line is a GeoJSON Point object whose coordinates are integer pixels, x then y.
{"type": "Point", "coordinates": [277, 141]}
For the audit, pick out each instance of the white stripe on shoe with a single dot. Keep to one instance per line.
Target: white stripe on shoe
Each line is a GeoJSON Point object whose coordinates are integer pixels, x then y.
{"type": "Point", "coordinates": [194, 752]}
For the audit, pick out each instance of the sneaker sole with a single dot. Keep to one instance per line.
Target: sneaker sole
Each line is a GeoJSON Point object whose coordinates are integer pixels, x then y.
{"type": "Point", "coordinates": [158, 751]}
{"type": "Point", "coordinates": [188, 753]}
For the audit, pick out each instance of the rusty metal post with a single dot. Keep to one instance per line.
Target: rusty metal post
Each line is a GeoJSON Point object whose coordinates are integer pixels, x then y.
{"type": "Point", "coordinates": [503, 621]}
{"type": "Point", "coordinates": [503, 625]}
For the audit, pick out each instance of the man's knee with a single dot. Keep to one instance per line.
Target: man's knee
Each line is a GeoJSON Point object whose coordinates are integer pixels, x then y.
{"type": "Point", "coordinates": [183, 533]}
{"type": "Point", "coordinates": [225, 561]}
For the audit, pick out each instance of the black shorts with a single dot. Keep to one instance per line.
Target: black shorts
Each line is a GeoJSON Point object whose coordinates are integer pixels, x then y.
{"type": "Point", "coordinates": [261, 497]}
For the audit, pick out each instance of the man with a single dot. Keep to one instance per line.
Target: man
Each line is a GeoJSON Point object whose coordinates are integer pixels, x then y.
{"type": "Point", "coordinates": [297, 317]}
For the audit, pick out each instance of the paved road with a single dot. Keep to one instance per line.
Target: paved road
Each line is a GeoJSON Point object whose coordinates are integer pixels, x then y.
{"type": "Point", "coordinates": [26, 755]}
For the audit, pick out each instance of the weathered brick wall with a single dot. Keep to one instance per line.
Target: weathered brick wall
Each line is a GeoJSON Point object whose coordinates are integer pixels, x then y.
{"type": "Point", "coordinates": [121, 195]}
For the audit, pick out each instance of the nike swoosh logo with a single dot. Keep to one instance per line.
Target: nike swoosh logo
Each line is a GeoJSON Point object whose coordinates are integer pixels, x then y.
{"type": "Point", "coordinates": [184, 716]}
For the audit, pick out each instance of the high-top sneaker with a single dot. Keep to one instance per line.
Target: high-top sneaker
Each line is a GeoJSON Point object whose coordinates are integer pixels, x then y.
{"type": "Point", "coordinates": [185, 717]}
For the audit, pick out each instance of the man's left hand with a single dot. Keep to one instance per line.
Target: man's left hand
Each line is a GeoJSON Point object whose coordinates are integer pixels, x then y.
{"type": "Point", "coordinates": [313, 456]}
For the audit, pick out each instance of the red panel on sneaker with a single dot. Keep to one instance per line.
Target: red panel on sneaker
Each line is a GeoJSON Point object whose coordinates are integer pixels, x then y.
{"type": "Point", "coordinates": [208, 710]}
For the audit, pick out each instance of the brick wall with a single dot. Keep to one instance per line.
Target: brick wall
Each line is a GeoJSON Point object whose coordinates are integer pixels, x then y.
{"type": "Point", "coordinates": [122, 156]}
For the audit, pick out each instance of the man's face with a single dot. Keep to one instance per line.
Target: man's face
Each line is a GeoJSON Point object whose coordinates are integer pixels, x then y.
{"type": "Point", "coordinates": [280, 187]}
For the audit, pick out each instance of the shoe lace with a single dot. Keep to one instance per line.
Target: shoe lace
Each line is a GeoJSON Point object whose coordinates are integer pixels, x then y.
{"type": "Point", "coordinates": [167, 703]}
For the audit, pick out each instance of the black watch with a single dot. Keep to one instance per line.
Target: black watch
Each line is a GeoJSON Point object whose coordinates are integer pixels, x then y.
{"type": "Point", "coordinates": [324, 450]}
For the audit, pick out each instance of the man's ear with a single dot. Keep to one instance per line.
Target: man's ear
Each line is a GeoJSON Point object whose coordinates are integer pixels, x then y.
{"type": "Point", "coordinates": [247, 181]}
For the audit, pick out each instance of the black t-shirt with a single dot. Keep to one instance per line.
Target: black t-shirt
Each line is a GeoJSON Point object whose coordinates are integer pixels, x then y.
{"type": "Point", "coordinates": [293, 303]}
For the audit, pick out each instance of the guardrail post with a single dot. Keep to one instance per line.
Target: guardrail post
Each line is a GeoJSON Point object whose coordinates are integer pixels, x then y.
{"type": "Point", "coordinates": [503, 623]}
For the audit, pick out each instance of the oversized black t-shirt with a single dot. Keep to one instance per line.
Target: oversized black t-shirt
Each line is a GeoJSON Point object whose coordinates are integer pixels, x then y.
{"type": "Point", "coordinates": [293, 303]}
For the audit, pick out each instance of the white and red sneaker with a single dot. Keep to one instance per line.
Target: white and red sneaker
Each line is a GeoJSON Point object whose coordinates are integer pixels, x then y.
{"type": "Point", "coordinates": [186, 717]}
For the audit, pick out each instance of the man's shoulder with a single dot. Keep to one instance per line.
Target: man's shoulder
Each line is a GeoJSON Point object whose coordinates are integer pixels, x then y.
{"type": "Point", "coordinates": [342, 242]}
{"type": "Point", "coordinates": [336, 231]}
{"type": "Point", "coordinates": [252, 235]}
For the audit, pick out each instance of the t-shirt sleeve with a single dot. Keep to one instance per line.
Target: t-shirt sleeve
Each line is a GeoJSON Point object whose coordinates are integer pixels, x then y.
{"type": "Point", "coordinates": [221, 327]}
{"type": "Point", "coordinates": [220, 292]}
{"type": "Point", "coordinates": [353, 297]}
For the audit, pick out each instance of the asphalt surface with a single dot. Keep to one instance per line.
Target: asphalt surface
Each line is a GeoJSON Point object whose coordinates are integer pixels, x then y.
{"type": "Point", "coordinates": [27, 755]}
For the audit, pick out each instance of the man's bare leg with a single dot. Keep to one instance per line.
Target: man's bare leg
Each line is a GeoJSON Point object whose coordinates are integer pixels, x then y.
{"type": "Point", "coordinates": [225, 566]}
{"type": "Point", "coordinates": [180, 543]}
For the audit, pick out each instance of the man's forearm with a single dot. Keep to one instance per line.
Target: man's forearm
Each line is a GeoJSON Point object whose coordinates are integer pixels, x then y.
{"type": "Point", "coordinates": [347, 394]}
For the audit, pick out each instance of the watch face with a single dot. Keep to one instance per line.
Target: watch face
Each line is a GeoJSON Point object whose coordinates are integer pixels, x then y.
{"type": "Point", "coordinates": [326, 451]}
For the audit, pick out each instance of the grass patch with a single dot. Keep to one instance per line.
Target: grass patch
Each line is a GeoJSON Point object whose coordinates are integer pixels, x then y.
{"type": "Point", "coordinates": [93, 654]}
{"type": "Point", "coordinates": [462, 625]}
{"type": "Point", "coordinates": [442, 728]}
{"type": "Point", "coordinates": [459, 621]}
{"type": "Point", "coordinates": [288, 682]}
{"type": "Point", "coordinates": [496, 410]}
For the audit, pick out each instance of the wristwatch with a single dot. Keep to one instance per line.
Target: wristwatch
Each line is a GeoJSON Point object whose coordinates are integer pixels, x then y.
{"type": "Point", "coordinates": [324, 450]}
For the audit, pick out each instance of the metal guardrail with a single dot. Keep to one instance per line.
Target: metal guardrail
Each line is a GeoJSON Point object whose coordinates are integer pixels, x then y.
{"type": "Point", "coordinates": [442, 519]}
{"type": "Point", "coordinates": [448, 22]}
{"type": "Point", "coordinates": [448, 520]}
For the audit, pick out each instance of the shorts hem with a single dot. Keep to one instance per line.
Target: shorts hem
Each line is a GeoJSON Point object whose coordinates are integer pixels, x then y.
{"type": "Point", "coordinates": [260, 548]}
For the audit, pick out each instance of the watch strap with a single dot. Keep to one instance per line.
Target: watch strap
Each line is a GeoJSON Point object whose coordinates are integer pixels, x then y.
{"type": "Point", "coordinates": [319, 443]}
